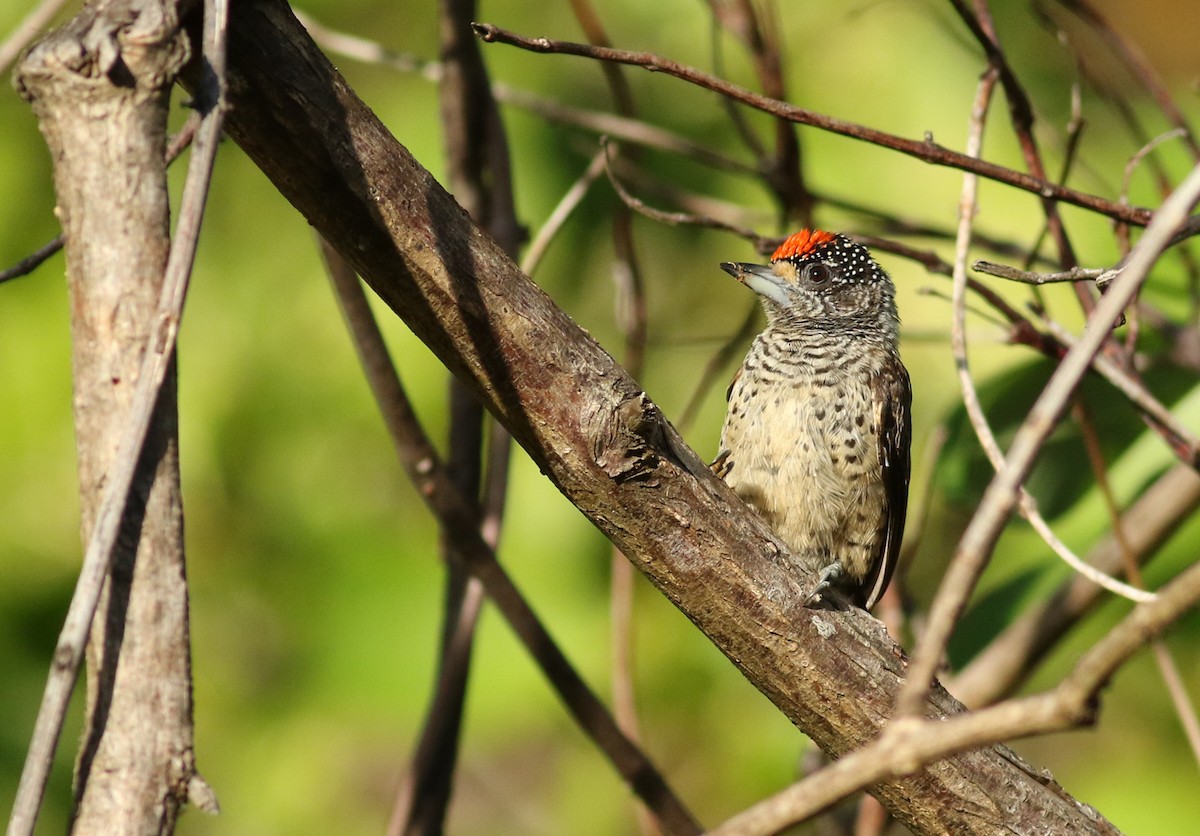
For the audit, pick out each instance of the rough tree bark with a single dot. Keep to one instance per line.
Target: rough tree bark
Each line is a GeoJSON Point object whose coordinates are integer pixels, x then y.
{"type": "Point", "coordinates": [595, 433]}
{"type": "Point", "coordinates": [100, 88]}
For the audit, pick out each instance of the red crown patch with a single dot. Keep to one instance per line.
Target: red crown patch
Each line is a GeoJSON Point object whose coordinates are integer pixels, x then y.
{"type": "Point", "coordinates": [801, 243]}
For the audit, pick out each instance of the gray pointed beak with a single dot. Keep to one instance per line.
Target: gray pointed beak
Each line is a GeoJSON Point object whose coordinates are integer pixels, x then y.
{"type": "Point", "coordinates": [760, 278]}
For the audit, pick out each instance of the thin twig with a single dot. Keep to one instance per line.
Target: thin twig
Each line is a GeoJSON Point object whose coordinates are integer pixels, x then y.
{"type": "Point", "coordinates": [958, 327]}
{"type": "Point", "coordinates": [981, 533]}
{"type": "Point", "coordinates": [1029, 511]}
{"type": "Point", "coordinates": [160, 350]}
{"type": "Point", "coordinates": [1014, 274]}
{"type": "Point", "coordinates": [1136, 158]}
{"type": "Point", "coordinates": [565, 208]}
{"type": "Point", "coordinates": [39, 18]}
{"type": "Point", "coordinates": [31, 262]}
{"type": "Point", "coordinates": [677, 218]}
{"type": "Point", "coordinates": [624, 128]}
{"type": "Point", "coordinates": [1184, 443]}
{"type": "Point", "coordinates": [368, 51]}
{"type": "Point", "coordinates": [948, 298]}
{"type": "Point", "coordinates": [648, 185]}
{"type": "Point", "coordinates": [926, 150]}
{"type": "Point", "coordinates": [627, 129]}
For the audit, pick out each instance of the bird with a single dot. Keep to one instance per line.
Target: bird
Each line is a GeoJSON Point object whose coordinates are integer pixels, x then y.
{"type": "Point", "coordinates": [818, 430]}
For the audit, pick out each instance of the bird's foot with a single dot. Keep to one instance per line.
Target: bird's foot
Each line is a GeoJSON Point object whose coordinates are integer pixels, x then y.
{"type": "Point", "coordinates": [830, 591]}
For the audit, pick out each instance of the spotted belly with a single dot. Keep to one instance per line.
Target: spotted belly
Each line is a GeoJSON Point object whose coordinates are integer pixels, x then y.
{"type": "Point", "coordinates": [807, 459]}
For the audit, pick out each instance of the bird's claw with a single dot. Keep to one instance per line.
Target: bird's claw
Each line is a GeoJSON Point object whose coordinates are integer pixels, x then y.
{"type": "Point", "coordinates": [827, 594]}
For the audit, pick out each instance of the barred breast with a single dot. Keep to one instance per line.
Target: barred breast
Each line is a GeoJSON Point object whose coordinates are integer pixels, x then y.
{"type": "Point", "coordinates": [800, 446]}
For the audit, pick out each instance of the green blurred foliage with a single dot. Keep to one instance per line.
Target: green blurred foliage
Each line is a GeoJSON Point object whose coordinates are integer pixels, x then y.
{"type": "Point", "coordinates": [315, 582]}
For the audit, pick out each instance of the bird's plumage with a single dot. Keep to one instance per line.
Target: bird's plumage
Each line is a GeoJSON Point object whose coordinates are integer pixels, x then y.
{"type": "Point", "coordinates": [818, 430]}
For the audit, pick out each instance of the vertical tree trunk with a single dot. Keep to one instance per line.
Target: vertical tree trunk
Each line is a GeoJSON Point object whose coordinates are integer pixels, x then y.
{"type": "Point", "coordinates": [100, 88]}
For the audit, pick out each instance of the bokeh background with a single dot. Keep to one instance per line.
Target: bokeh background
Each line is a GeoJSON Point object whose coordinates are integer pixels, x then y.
{"type": "Point", "coordinates": [315, 582]}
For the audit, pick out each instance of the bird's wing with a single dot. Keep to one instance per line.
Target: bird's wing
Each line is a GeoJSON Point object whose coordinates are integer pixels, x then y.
{"type": "Point", "coordinates": [893, 420]}
{"type": "Point", "coordinates": [736, 377]}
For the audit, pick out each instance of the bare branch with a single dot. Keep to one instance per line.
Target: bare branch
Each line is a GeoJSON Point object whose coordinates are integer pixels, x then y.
{"type": "Point", "coordinates": [958, 329]}
{"type": "Point", "coordinates": [368, 51]}
{"type": "Point", "coordinates": [926, 150]}
{"type": "Point", "coordinates": [32, 261]}
{"type": "Point", "coordinates": [633, 131]}
{"type": "Point", "coordinates": [562, 211]}
{"type": "Point", "coordinates": [1075, 274]}
{"type": "Point", "coordinates": [1136, 158]}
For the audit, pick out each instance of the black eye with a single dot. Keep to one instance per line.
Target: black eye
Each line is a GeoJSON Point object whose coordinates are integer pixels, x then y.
{"type": "Point", "coordinates": [816, 273]}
